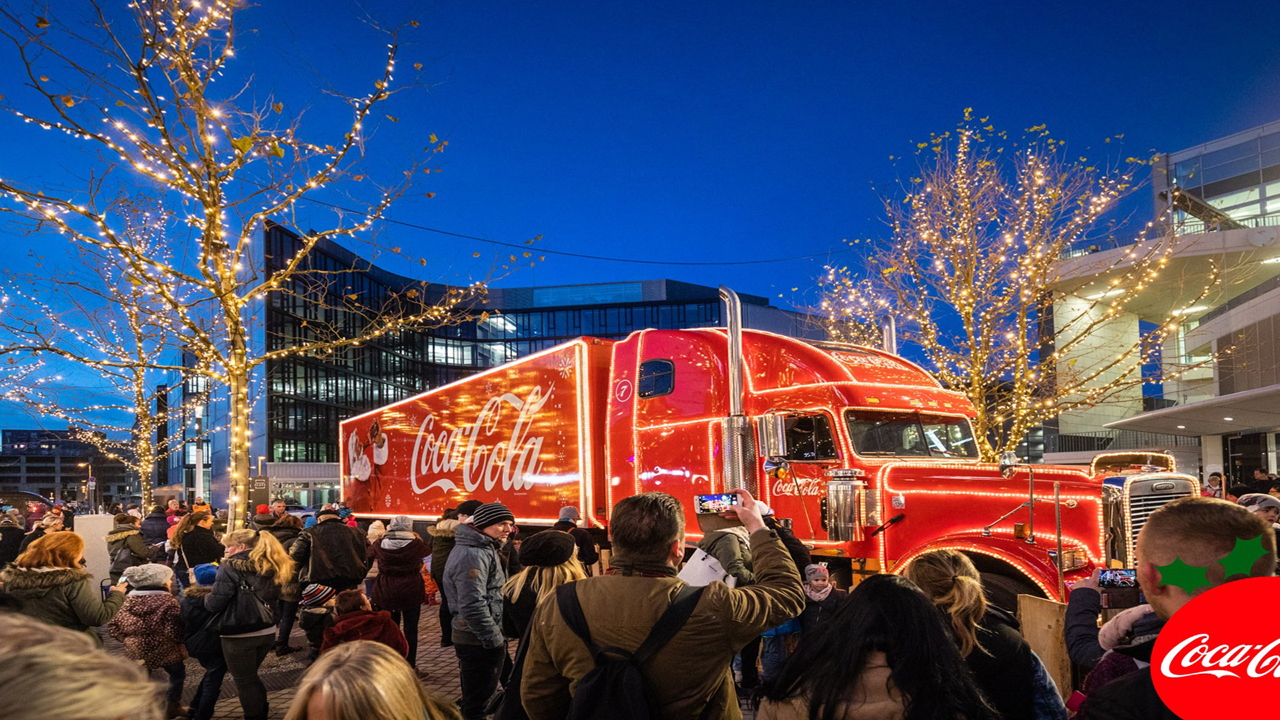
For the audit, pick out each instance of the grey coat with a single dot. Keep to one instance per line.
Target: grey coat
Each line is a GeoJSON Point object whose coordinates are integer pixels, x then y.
{"type": "Point", "coordinates": [473, 580]}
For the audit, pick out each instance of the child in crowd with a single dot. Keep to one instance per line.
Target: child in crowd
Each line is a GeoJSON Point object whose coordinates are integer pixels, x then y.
{"type": "Point", "coordinates": [357, 620]}
{"type": "Point", "coordinates": [150, 627]}
{"type": "Point", "coordinates": [316, 615]}
{"type": "Point", "coordinates": [822, 598]}
{"type": "Point", "coordinates": [203, 642]}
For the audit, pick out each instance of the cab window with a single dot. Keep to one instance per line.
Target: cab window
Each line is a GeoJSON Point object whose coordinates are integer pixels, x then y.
{"type": "Point", "coordinates": [657, 377]}
{"type": "Point", "coordinates": [809, 437]}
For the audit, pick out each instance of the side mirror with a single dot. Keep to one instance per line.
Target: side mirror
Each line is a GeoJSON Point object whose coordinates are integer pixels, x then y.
{"type": "Point", "coordinates": [1008, 461]}
{"type": "Point", "coordinates": [771, 431]}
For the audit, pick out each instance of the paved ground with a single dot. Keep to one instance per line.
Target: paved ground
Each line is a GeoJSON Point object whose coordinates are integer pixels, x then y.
{"type": "Point", "coordinates": [282, 674]}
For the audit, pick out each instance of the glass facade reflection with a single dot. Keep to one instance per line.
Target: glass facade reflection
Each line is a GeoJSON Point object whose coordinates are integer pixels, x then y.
{"type": "Point", "coordinates": [1231, 182]}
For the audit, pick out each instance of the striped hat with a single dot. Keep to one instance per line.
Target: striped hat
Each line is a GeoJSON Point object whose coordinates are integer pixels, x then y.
{"type": "Point", "coordinates": [315, 595]}
{"type": "Point", "coordinates": [491, 514]}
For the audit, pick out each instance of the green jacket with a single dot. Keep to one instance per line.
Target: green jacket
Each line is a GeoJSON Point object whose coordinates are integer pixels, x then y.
{"type": "Point", "coordinates": [690, 676]}
{"type": "Point", "coordinates": [64, 597]}
{"type": "Point", "coordinates": [126, 537]}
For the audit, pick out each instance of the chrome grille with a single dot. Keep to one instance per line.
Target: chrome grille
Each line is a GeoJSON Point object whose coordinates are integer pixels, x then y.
{"type": "Point", "coordinates": [1140, 508]}
{"type": "Point", "coordinates": [1144, 494]}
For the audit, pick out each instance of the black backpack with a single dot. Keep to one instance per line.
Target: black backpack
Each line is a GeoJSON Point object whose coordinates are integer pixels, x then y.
{"type": "Point", "coordinates": [616, 687]}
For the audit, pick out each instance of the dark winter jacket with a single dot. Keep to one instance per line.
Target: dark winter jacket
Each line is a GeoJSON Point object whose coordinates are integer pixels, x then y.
{"type": "Point", "coordinates": [730, 548]}
{"type": "Point", "coordinates": [126, 538]}
{"type": "Point", "coordinates": [399, 585]}
{"type": "Point", "coordinates": [331, 554]}
{"type": "Point", "coordinates": [1132, 697]}
{"type": "Point", "coordinates": [155, 529]}
{"type": "Point", "coordinates": [517, 615]}
{"type": "Point", "coordinates": [10, 541]}
{"type": "Point", "coordinates": [288, 536]}
{"type": "Point", "coordinates": [442, 542]}
{"type": "Point", "coordinates": [817, 612]}
{"type": "Point", "coordinates": [1004, 666]}
{"type": "Point", "coordinates": [150, 627]}
{"type": "Point", "coordinates": [30, 537]}
{"type": "Point", "coordinates": [230, 572]}
{"type": "Point", "coordinates": [473, 583]}
{"type": "Point", "coordinates": [66, 597]}
{"type": "Point", "coordinates": [199, 546]}
{"type": "Point", "coordinates": [366, 625]}
{"type": "Point", "coordinates": [588, 555]}
{"type": "Point", "coordinates": [1080, 628]}
{"type": "Point", "coordinates": [201, 641]}
{"type": "Point", "coordinates": [795, 547]}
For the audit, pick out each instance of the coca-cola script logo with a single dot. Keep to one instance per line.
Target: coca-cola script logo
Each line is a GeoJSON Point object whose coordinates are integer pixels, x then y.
{"type": "Point", "coordinates": [511, 461]}
{"type": "Point", "coordinates": [1212, 661]}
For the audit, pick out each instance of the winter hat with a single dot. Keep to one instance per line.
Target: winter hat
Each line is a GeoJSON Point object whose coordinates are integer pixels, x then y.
{"type": "Point", "coordinates": [547, 549]}
{"type": "Point", "coordinates": [812, 572]}
{"type": "Point", "coordinates": [1259, 501]}
{"type": "Point", "coordinates": [262, 509]}
{"type": "Point", "coordinates": [205, 574]}
{"type": "Point", "coordinates": [570, 513]}
{"type": "Point", "coordinates": [149, 575]}
{"type": "Point", "coordinates": [263, 520]}
{"type": "Point", "coordinates": [469, 507]}
{"type": "Point", "coordinates": [315, 595]}
{"type": "Point", "coordinates": [491, 514]}
{"type": "Point", "coordinates": [326, 511]}
{"type": "Point", "coordinates": [400, 523]}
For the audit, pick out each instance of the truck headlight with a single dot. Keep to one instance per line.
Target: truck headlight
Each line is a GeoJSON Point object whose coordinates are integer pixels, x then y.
{"type": "Point", "coordinates": [1072, 559]}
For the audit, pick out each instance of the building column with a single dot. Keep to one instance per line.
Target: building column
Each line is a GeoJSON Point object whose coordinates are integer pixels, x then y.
{"type": "Point", "coordinates": [1211, 454]}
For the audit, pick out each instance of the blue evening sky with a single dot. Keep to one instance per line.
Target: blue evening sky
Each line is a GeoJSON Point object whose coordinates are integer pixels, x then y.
{"type": "Point", "coordinates": [717, 131]}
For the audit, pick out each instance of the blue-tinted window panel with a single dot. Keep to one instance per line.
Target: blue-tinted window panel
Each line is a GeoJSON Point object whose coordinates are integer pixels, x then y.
{"type": "Point", "coordinates": [657, 378]}
{"type": "Point", "coordinates": [1248, 148]}
{"type": "Point", "coordinates": [588, 294]}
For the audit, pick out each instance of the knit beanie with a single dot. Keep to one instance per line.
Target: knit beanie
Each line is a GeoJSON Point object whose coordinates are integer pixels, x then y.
{"type": "Point", "coordinates": [815, 571]}
{"type": "Point", "coordinates": [570, 512]}
{"type": "Point", "coordinates": [400, 523]}
{"type": "Point", "coordinates": [262, 509]}
{"type": "Point", "coordinates": [149, 575]}
{"type": "Point", "coordinates": [491, 514]}
{"type": "Point", "coordinates": [206, 573]}
{"type": "Point", "coordinates": [264, 520]}
{"type": "Point", "coordinates": [547, 549]}
{"type": "Point", "coordinates": [469, 507]}
{"type": "Point", "coordinates": [314, 595]}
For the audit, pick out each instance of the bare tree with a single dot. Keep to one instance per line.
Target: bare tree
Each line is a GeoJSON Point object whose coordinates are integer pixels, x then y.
{"type": "Point", "coordinates": [973, 270]}
{"type": "Point", "coordinates": [225, 162]}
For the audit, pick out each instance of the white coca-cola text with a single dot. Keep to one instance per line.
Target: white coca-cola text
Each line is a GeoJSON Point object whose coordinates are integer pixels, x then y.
{"type": "Point", "coordinates": [1197, 655]}
{"type": "Point", "coordinates": [513, 462]}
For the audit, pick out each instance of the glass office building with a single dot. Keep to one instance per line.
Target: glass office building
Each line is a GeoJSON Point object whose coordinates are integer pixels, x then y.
{"type": "Point", "coordinates": [1230, 183]}
{"type": "Point", "coordinates": [298, 401]}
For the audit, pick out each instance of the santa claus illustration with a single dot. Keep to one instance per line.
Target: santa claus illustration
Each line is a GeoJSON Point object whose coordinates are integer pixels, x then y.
{"type": "Point", "coordinates": [367, 456]}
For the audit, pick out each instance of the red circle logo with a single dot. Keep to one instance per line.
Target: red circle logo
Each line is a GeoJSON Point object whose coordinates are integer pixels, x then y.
{"type": "Point", "coordinates": [1214, 659]}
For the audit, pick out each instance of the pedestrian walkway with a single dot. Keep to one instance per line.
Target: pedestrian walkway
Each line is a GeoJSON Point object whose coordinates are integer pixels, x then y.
{"type": "Point", "coordinates": [437, 665]}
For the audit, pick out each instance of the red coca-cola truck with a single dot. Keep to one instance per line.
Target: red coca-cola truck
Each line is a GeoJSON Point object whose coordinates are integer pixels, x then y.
{"type": "Point", "coordinates": [871, 460]}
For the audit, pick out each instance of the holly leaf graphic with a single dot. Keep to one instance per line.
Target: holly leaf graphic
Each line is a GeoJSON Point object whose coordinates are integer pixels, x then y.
{"type": "Point", "coordinates": [1243, 556]}
{"type": "Point", "coordinates": [1179, 574]}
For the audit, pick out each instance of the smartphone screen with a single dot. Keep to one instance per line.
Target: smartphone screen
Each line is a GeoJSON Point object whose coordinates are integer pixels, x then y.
{"type": "Point", "coordinates": [714, 504]}
{"type": "Point", "coordinates": [1118, 579]}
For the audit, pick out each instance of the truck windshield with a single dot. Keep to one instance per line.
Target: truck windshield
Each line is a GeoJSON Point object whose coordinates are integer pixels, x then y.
{"type": "Point", "coordinates": [910, 435]}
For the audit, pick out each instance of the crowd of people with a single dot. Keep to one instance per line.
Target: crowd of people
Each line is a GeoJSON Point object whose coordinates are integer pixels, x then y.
{"type": "Point", "coordinates": [539, 635]}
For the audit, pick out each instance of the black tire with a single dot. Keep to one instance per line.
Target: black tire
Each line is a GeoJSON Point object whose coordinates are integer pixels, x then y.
{"type": "Point", "coordinates": [1002, 591]}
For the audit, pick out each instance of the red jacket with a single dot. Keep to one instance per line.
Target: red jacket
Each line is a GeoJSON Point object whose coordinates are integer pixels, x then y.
{"type": "Point", "coordinates": [366, 625]}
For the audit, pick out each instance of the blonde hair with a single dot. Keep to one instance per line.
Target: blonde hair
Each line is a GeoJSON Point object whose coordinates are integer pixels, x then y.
{"type": "Point", "coordinates": [60, 549]}
{"type": "Point", "coordinates": [952, 582]}
{"type": "Point", "coordinates": [366, 679]}
{"type": "Point", "coordinates": [543, 580]}
{"type": "Point", "coordinates": [266, 553]}
{"type": "Point", "coordinates": [91, 684]}
{"type": "Point", "coordinates": [186, 524]}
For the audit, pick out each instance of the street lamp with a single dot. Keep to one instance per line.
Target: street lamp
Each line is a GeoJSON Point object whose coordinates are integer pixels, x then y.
{"type": "Point", "coordinates": [93, 486]}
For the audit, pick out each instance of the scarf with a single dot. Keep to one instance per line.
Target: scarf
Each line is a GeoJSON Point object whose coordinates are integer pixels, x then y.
{"type": "Point", "coordinates": [817, 596]}
{"type": "Point", "coordinates": [397, 539]}
{"type": "Point", "coordinates": [626, 566]}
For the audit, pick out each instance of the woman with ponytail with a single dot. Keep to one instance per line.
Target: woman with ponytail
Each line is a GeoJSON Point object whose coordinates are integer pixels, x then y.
{"type": "Point", "coordinates": [244, 596]}
{"type": "Point", "coordinates": [1002, 662]}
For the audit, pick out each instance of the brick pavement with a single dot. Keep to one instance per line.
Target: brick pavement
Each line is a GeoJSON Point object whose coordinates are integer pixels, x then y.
{"type": "Point", "coordinates": [282, 674]}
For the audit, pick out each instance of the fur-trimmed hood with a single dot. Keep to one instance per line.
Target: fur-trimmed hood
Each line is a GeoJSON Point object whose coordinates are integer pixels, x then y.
{"type": "Point", "coordinates": [444, 528]}
{"type": "Point", "coordinates": [19, 579]}
{"type": "Point", "coordinates": [121, 532]}
{"type": "Point", "coordinates": [197, 591]}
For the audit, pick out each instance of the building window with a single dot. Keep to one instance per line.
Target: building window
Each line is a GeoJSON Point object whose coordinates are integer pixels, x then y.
{"type": "Point", "coordinates": [657, 377]}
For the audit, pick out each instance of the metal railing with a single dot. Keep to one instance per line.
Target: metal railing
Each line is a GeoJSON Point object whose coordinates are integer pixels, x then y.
{"type": "Point", "coordinates": [1102, 440]}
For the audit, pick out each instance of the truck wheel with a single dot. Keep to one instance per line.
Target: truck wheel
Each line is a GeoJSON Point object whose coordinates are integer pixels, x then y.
{"type": "Point", "coordinates": [1003, 591]}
